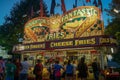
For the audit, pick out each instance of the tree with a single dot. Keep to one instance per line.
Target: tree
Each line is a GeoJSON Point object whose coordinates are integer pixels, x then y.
{"type": "Point", "coordinates": [113, 27]}
{"type": "Point", "coordinates": [13, 28]}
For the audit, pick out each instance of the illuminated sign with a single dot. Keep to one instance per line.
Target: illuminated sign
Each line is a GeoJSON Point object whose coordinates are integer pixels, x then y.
{"type": "Point", "coordinates": [73, 24]}
{"type": "Point", "coordinates": [81, 12]}
{"type": "Point", "coordinates": [93, 41]}
{"type": "Point", "coordinates": [34, 46]}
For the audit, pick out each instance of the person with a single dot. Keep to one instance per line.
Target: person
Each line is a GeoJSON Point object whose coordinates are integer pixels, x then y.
{"type": "Point", "coordinates": [57, 69]}
{"type": "Point", "coordinates": [64, 72]}
{"type": "Point", "coordinates": [25, 65]}
{"type": "Point", "coordinates": [17, 72]}
{"type": "Point", "coordinates": [10, 70]}
{"type": "Point", "coordinates": [38, 68]}
{"type": "Point", "coordinates": [75, 68]}
{"type": "Point", "coordinates": [82, 69]}
{"type": "Point", "coordinates": [51, 70]}
{"type": "Point", "coordinates": [45, 74]}
{"type": "Point", "coordinates": [69, 71]}
{"type": "Point", "coordinates": [96, 69]}
{"type": "Point", "coordinates": [2, 68]}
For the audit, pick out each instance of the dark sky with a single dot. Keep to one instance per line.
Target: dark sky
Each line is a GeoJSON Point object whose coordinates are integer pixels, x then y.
{"type": "Point", "coordinates": [6, 6]}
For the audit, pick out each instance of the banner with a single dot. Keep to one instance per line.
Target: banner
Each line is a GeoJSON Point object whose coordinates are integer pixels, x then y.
{"type": "Point", "coordinates": [94, 41]}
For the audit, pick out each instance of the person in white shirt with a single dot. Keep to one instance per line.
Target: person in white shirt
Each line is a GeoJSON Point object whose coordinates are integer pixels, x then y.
{"type": "Point", "coordinates": [25, 65]}
{"type": "Point", "coordinates": [75, 68]}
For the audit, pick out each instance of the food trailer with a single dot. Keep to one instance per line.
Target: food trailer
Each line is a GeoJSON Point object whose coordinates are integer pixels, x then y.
{"type": "Point", "coordinates": [72, 35]}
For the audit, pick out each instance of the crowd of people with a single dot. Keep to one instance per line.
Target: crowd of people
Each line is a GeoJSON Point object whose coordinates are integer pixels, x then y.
{"type": "Point", "coordinates": [53, 70]}
{"type": "Point", "coordinates": [13, 69]}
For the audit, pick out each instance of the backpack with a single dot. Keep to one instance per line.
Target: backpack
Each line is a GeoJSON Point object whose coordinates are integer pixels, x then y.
{"type": "Point", "coordinates": [57, 69]}
{"type": "Point", "coordinates": [58, 73]}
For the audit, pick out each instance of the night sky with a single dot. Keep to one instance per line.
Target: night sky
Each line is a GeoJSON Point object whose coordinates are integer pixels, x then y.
{"type": "Point", "coordinates": [6, 6]}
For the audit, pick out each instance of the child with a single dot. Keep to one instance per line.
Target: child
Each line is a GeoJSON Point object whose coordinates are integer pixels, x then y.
{"type": "Point", "coordinates": [45, 74]}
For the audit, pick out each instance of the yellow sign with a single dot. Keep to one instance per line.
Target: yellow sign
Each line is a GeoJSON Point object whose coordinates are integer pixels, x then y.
{"type": "Point", "coordinates": [61, 44]}
{"type": "Point", "coordinates": [107, 40]}
{"type": "Point", "coordinates": [78, 22]}
{"type": "Point", "coordinates": [34, 46]}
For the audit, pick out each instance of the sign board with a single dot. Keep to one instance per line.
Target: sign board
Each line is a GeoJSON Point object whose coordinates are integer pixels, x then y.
{"type": "Point", "coordinates": [77, 28]}
{"type": "Point", "coordinates": [78, 22]}
{"type": "Point", "coordinates": [94, 41]}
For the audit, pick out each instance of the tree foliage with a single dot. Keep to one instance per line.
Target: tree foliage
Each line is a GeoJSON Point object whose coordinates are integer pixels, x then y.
{"type": "Point", "coordinates": [113, 27]}
{"type": "Point", "coordinates": [13, 28]}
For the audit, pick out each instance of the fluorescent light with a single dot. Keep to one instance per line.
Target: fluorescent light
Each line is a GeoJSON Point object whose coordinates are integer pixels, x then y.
{"type": "Point", "coordinates": [116, 11]}
{"type": "Point", "coordinates": [112, 50]}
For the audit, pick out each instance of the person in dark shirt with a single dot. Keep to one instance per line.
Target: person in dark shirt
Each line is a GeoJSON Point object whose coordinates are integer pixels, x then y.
{"type": "Point", "coordinates": [38, 68]}
{"type": "Point", "coordinates": [96, 69]}
{"type": "Point", "coordinates": [17, 71]}
{"type": "Point", "coordinates": [82, 69]}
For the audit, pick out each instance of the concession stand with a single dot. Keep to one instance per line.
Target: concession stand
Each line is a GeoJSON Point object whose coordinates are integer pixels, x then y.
{"type": "Point", "coordinates": [78, 32]}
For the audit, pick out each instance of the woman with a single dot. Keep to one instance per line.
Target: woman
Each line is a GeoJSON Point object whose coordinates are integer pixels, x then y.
{"type": "Point", "coordinates": [57, 69]}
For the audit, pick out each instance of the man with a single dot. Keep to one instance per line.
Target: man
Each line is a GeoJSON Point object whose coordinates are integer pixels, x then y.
{"type": "Point", "coordinates": [96, 69]}
{"type": "Point", "coordinates": [69, 71]}
{"type": "Point", "coordinates": [24, 69]}
{"type": "Point", "coordinates": [82, 69]}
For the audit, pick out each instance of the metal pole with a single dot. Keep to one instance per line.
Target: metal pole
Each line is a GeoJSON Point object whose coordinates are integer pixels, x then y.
{"type": "Point", "coordinates": [102, 59]}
